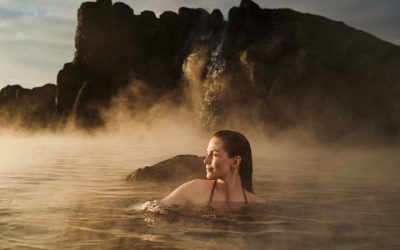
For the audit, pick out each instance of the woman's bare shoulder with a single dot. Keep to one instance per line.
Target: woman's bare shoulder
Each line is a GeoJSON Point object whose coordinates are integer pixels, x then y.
{"type": "Point", "coordinates": [188, 192]}
{"type": "Point", "coordinates": [254, 198]}
{"type": "Point", "coordinates": [196, 185]}
{"type": "Point", "coordinates": [199, 187]}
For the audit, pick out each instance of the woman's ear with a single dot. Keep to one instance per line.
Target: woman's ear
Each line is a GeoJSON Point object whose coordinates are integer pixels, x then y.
{"type": "Point", "coordinates": [236, 161]}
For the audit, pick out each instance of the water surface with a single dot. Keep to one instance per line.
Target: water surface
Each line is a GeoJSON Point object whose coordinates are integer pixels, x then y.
{"type": "Point", "coordinates": [70, 193]}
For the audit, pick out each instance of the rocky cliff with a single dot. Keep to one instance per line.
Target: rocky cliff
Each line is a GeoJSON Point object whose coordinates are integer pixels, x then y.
{"type": "Point", "coordinates": [278, 67]}
{"type": "Point", "coordinates": [115, 47]}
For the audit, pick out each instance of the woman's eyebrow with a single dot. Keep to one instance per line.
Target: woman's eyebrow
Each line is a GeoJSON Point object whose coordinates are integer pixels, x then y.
{"type": "Point", "coordinates": [215, 150]}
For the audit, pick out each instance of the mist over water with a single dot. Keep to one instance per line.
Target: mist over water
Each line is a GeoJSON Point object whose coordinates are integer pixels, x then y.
{"type": "Point", "coordinates": [69, 191]}
{"type": "Point", "coordinates": [66, 188]}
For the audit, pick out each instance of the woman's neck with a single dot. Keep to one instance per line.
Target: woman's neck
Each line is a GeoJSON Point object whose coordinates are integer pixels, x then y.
{"type": "Point", "coordinates": [230, 185]}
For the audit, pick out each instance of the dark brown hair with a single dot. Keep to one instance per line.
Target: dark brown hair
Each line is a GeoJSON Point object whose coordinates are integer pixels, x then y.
{"type": "Point", "coordinates": [236, 144]}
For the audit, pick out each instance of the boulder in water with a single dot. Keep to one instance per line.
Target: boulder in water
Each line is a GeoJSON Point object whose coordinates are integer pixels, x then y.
{"type": "Point", "coordinates": [181, 167]}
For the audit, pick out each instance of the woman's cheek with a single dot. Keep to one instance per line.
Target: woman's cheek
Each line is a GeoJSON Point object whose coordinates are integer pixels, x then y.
{"type": "Point", "coordinates": [215, 163]}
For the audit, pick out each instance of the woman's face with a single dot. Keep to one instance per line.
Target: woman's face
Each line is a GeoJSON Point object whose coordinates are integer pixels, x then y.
{"type": "Point", "coordinates": [218, 164]}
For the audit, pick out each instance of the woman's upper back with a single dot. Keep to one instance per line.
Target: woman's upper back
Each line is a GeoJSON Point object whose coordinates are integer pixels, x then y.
{"type": "Point", "coordinates": [202, 192]}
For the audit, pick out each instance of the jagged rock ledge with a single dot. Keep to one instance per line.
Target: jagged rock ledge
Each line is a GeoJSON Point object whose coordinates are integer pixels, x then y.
{"type": "Point", "coordinates": [178, 168]}
{"type": "Point", "coordinates": [29, 108]}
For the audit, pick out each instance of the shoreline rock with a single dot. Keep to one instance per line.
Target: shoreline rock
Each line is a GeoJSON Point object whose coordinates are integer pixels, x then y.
{"type": "Point", "coordinates": [28, 108]}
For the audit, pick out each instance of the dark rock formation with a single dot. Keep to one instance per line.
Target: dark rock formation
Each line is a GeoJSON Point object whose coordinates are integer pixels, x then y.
{"type": "Point", "coordinates": [278, 67]}
{"type": "Point", "coordinates": [115, 48]}
{"type": "Point", "coordinates": [178, 168]}
{"type": "Point", "coordinates": [28, 108]}
{"type": "Point", "coordinates": [303, 69]}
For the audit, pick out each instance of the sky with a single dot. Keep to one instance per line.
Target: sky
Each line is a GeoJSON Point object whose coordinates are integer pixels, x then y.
{"type": "Point", "coordinates": [37, 36]}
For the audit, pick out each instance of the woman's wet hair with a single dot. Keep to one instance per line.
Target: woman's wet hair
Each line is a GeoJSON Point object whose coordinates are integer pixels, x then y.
{"type": "Point", "coordinates": [236, 144]}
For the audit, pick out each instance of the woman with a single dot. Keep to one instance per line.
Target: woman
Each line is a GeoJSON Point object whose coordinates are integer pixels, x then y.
{"type": "Point", "coordinates": [229, 169]}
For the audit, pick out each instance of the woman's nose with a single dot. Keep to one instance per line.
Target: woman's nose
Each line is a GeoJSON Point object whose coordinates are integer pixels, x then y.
{"type": "Point", "coordinates": [206, 159]}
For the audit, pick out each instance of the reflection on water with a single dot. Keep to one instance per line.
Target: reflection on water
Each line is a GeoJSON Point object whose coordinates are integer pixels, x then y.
{"type": "Point", "coordinates": [71, 194]}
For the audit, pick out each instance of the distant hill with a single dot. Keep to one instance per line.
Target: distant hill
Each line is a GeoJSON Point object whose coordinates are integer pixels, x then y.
{"type": "Point", "coordinates": [277, 67]}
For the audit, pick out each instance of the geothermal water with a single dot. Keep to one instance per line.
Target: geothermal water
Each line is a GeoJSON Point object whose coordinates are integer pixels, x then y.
{"type": "Point", "coordinates": [69, 192]}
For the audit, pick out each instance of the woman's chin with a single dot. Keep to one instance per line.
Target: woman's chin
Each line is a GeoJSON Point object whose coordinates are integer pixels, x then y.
{"type": "Point", "coordinates": [210, 176]}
